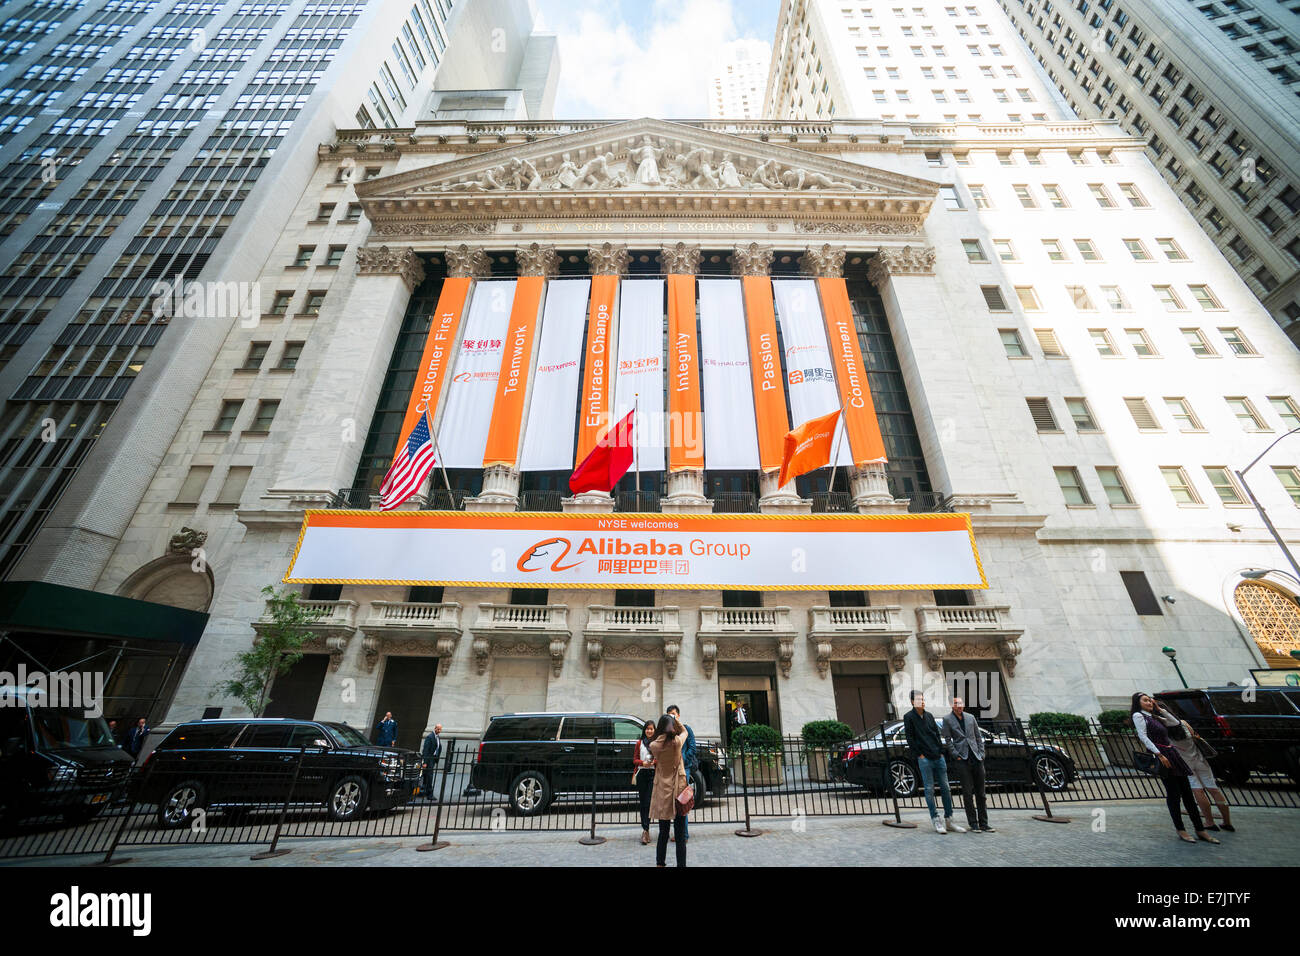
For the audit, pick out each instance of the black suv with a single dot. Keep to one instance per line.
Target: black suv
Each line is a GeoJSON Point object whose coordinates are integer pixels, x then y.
{"type": "Point", "coordinates": [1252, 728]}
{"type": "Point", "coordinates": [211, 764]}
{"type": "Point", "coordinates": [531, 758]}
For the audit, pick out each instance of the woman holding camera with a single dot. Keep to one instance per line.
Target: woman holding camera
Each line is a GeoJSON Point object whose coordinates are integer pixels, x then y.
{"type": "Point", "coordinates": [1155, 727]}
{"type": "Point", "coordinates": [670, 781]}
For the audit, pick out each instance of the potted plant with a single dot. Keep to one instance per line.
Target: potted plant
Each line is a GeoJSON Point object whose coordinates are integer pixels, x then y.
{"type": "Point", "coordinates": [819, 736]}
{"type": "Point", "coordinates": [1072, 734]}
{"type": "Point", "coordinates": [1118, 739]}
{"type": "Point", "coordinates": [762, 754]}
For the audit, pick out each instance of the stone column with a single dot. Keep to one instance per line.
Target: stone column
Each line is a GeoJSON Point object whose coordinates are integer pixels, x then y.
{"type": "Point", "coordinates": [325, 444]}
{"type": "Point", "coordinates": [605, 259]}
{"type": "Point", "coordinates": [685, 488]}
{"type": "Point", "coordinates": [501, 482]}
{"type": "Point", "coordinates": [956, 436]}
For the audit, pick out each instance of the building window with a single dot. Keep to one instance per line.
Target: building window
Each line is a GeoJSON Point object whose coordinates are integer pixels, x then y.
{"type": "Point", "coordinates": [951, 199]}
{"type": "Point", "coordinates": [1102, 340]}
{"type": "Point", "coordinates": [1100, 193]}
{"type": "Point", "coordinates": [1238, 344]}
{"type": "Point", "coordinates": [1115, 300]}
{"type": "Point", "coordinates": [256, 353]}
{"type": "Point", "coordinates": [1050, 345]}
{"type": "Point", "coordinates": [289, 357]}
{"type": "Point", "coordinates": [1040, 409]}
{"type": "Point", "coordinates": [1140, 593]}
{"type": "Point", "coordinates": [1289, 477]}
{"type": "Point", "coordinates": [1071, 486]}
{"type": "Point", "coordinates": [335, 255]}
{"type": "Point", "coordinates": [193, 486]}
{"type": "Point", "coordinates": [1087, 250]}
{"type": "Point", "coordinates": [1224, 485]}
{"type": "Point", "coordinates": [1245, 412]}
{"type": "Point", "coordinates": [1142, 415]}
{"type": "Point", "coordinates": [226, 417]}
{"type": "Point", "coordinates": [1015, 348]}
{"type": "Point", "coordinates": [353, 213]}
{"type": "Point", "coordinates": [1134, 197]}
{"type": "Point", "coordinates": [1179, 485]}
{"type": "Point", "coordinates": [1168, 297]}
{"type": "Point", "coordinates": [993, 298]}
{"type": "Point", "coordinates": [1079, 296]}
{"type": "Point", "coordinates": [1028, 298]}
{"type": "Point", "coordinates": [280, 304]}
{"type": "Point", "coordinates": [233, 487]}
{"type": "Point", "coordinates": [1287, 410]}
{"type": "Point", "coordinates": [1173, 252]}
{"type": "Point", "coordinates": [1112, 482]}
{"type": "Point", "coordinates": [1054, 251]}
{"type": "Point", "coordinates": [313, 303]}
{"type": "Point", "coordinates": [974, 251]}
{"type": "Point", "coordinates": [1005, 250]}
{"type": "Point", "coordinates": [1205, 298]}
{"type": "Point", "coordinates": [1141, 343]}
{"type": "Point", "coordinates": [1025, 196]}
{"type": "Point", "coordinates": [1081, 414]}
{"type": "Point", "coordinates": [266, 410]}
{"type": "Point", "coordinates": [1198, 343]}
{"type": "Point", "coordinates": [980, 198]}
{"type": "Point", "coordinates": [325, 211]}
{"type": "Point", "coordinates": [1056, 197]}
{"type": "Point", "coordinates": [303, 258]}
{"type": "Point", "coordinates": [1181, 412]}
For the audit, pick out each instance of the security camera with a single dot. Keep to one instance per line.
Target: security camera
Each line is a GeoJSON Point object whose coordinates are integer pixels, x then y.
{"type": "Point", "coordinates": [1234, 527]}
{"type": "Point", "coordinates": [1168, 599]}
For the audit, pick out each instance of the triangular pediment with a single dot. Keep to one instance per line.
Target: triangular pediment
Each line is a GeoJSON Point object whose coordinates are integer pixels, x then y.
{"type": "Point", "coordinates": [646, 161]}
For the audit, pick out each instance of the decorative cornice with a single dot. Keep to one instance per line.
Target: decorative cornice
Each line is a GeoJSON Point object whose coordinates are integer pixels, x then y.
{"type": "Point", "coordinates": [468, 262]}
{"type": "Point", "coordinates": [752, 260]}
{"type": "Point", "coordinates": [907, 261]}
{"type": "Point", "coordinates": [536, 259]}
{"type": "Point", "coordinates": [680, 259]}
{"type": "Point", "coordinates": [825, 261]}
{"type": "Point", "coordinates": [608, 259]}
{"type": "Point", "coordinates": [386, 261]}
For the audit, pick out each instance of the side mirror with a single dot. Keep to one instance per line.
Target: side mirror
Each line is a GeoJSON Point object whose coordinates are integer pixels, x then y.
{"type": "Point", "coordinates": [321, 743]}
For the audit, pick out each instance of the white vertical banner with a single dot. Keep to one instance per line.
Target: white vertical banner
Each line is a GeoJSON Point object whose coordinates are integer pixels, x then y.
{"type": "Point", "coordinates": [463, 432]}
{"type": "Point", "coordinates": [640, 375]}
{"type": "Point", "coordinates": [553, 403]}
{"type": "Point", "coordinates": [730, 429]}
{"type": "Point", "coordinates": [807, 357]}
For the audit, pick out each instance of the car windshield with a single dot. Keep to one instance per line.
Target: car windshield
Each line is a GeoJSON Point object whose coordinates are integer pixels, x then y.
{"type": "Point", "coordinates": [70, 729]}
{"type": "Point", "coordinates": [346, 736]}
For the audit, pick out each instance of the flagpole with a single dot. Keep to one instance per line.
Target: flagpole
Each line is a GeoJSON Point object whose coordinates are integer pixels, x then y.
{"type": "Point", "coordinates": [443, 468]}
{"type": "Point", "coordinates": [835, 457]}
{"type": "Point", "coordinates": [636, 459]}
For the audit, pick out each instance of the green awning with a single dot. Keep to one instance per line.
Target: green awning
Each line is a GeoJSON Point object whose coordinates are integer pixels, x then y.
{"type": "Point", "coordinates": [54, 608]}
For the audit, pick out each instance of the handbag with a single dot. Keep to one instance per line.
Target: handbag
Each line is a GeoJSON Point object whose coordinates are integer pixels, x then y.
{"type": "Point", "coordinates": [686, 801]}
{"type": "Point", "coordinates": [1203, 745]}
{"type": "Point", "coordinates": [1147, 763]}
{"type": "Point", "coordinates": [1177, 731]}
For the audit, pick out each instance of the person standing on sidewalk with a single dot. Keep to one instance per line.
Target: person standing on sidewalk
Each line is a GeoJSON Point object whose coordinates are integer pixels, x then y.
{"type": "Point", "coordinates": [643, 772]}
{"type": "Point", "coordinates": [386, 730]}
{"type": "Point", "coordinates": [966, 746]}
{"type": "Point", "coordinates": [1204, 787]}
{"type": "Point", "coordinates": [670, 780]}
{"type": "Point", "coordinates": [690, 762]}
{"type": "Point", "coordinates": [1153, 725]}
{"type": "Point", "coordinates": [926, 747]}
{"type": "Point", "coordinates": [430, 753]}
{"type": "Point", "coordinates": [136, 736]}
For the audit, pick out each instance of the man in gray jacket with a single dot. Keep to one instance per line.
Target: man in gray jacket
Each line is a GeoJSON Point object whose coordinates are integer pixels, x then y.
{"type": "Point", "coordinates": [966, 746]}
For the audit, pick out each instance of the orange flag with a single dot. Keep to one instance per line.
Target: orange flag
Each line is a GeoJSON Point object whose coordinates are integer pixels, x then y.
{"type": "Point", "coordinates": [808, 446]}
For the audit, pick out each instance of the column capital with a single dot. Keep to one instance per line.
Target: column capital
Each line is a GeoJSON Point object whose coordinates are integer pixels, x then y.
{"type": "Point", "coordinates": [752, 260]}
{"type": "Point", "coordinates": [536, 259]}
{"type": "Point", "coordinates": [680, 259]}
{"type": "Point", "coordinates": [608, 259]}
{"type": "Point", "coordinates": [824, 261]}
{"type": "Point", "coordinates": [388, 261]}
{"type": "Point", "coordinates": [467, 262]}
{"type": "Point", "coordinates": [907, 261]}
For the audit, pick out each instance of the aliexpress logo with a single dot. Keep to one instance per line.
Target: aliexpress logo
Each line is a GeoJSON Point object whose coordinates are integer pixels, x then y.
{"type": "Point", "coordinates": [555, 548]}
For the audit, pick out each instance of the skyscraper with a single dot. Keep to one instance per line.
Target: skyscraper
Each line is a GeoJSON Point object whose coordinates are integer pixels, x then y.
{"type": "Point", "coordinates": [736, 86]}
{"type": "Point", "coordinates": [1214, 89]}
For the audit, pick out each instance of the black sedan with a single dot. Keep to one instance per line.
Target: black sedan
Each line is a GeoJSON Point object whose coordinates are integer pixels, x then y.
{"type": "Point", "coordinates": [1007, 760]}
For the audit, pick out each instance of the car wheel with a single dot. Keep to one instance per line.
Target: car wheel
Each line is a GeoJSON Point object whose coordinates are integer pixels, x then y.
{"type": "Point", "coordinates": [1049, 773]}
{"type": "Point", "coordinates": [1233, 774]}
{"type": "Point", "coordinates": [348, 799]}
{"type": "Point", "coordinates": [701, 788]}
{"type": "Point", "coordinates": [902, 778]}
{"type": "Point", "coordinates": [180, 803]}
{"type": "Point", "coordinates": [530, 793]}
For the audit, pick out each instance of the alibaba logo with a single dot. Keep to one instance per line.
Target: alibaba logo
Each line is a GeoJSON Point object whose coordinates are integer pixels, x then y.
{"type": "Point", "coordinates": [462, 377]}
{"type": "Point", "coordinates": [555, 548]}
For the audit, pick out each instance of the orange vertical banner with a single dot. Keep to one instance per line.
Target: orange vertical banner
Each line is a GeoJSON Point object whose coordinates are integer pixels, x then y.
{"type": "Point", "coordinates": [434, 364]}
{"type": "Point", "coordinates": [598, 369]}
{"type": "Point", "coordinates": [516, 363]}
{"type": "Point", "coordinates": [765, 366]}
{"type": "Point", "coordinates": [685, 431]}
{"type": "Point", "coordinates": [860, 424]}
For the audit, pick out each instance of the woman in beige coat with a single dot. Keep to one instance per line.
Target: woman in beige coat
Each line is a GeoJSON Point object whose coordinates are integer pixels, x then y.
{"type": "Point", "coordinates": [670, 780]}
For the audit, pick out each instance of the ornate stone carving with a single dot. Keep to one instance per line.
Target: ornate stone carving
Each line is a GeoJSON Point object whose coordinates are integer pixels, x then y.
{"type": "Point", "coordinates": [680, 259]}
{"type": "Point", "coordinates": [386, 261]}
{"type": "Point", "coordinates": [935, 651]}
{"type": "Point", "coordinates": [785, 654]}
{"type": "Point", "coordinates": [607, 259]}
{"type": "Point", "coordinates": [457, 227]}
{"type": "Point", "coordinates": [1009, 650]}
{"type": "Point", "coordinates": [709, 655]}
{"type": "Point", "coordinates": [907, 261]}
{"type": "Point", "coordinates": [595, 647]}
{"type": "Point", "coordinates": [370, 648]}
{"type": "Point", "coordinates": [536, 259]}
{"type": "Point", "coordinates": [672, 647]}
{"type": "Point", "coordinates": [467, 261]}
{"type": "Point", "coordinates": [186, 540]}
{"type": "Point", "coordinates": [797, 177]}
{"type": "Point", "coordinates": [559, 644]}
{"type": "Point", "coordinates": [825, 261]}
{"type": "Point", "coordinates": [334, 645]}
{"type": "Point", "coordinates": [752, 260]}
{"type": "Point", "coordinates": [482, 650]}
{"type": "Point", "coordinates": [647, 159]}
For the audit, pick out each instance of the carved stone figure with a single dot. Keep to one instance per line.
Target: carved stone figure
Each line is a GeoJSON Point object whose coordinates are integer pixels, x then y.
{"type": "Point", "coordinates": [596, 174]}
{"type": "Point", "coordinates": [647, 159]}
{"type": "Point", "coordinates": [568, 174]}
{"type": "Point", "coordinates": [186, 540]}
{"type": "Point", "coordinates": [800, 178]}
{"type": "Point", "coordinates": [727, 174]}
{"type": "Point", "coordinates": [521, 174]}
{"type": "Point", "coordinates": [696, 170]}
{"type": "Point", "coordinates": [768, 174]}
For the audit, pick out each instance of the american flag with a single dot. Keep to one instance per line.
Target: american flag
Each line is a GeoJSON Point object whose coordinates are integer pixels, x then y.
{"type": "Point", "coordinates": [410, 467]}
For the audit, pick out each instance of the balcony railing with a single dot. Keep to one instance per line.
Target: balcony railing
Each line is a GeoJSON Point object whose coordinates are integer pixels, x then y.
{"type": "Point", "coordinates": [832, 502]}
{"type": "Point", "coordinates": [328, 613]}
{"type": "Point", "coordinates": [883, 617]}
{"type": "Point", "coordinates": [437, 499]}
{"type": "Point", "coordinates": [756, 620]}
{"type": "Point", "coordinates": [636, 501]}
{"type": "Point", "coordinates": [975, 618]}
{"type": "Point", "coordinates": [653, 620]}
{"type": "Point", "coordinates": [523, 617]}
{"type": "Point", "coordinates": [735, 502]}
{"type": "Point", "coordinates": [414, 615]}
{"type": "Point", "coordinates": [541, 501]}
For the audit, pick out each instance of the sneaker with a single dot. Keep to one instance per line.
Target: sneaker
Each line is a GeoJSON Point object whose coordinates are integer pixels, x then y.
{"type": "Point", "coordinates": [987, 829]}
{"type": "Point", "coordinates": [976, 830]}
{"type": "Point", "coordinates": [954, 826]}
{"type": "Point", "coordinates": [938, 825]}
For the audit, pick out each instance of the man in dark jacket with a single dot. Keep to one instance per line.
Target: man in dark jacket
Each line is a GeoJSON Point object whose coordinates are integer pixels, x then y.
{"type": "Point", "coordinates": [690, 762]}
{"type": "Point", "coordinates": [431, 751]}
{"type": "Point", "coordinates": [926, 747]}
{"type": "Point", "coordinates": [966, 744]}
{"type": "Point", "coordinates": [136, 736]}
{"type": "Point", "coordinates": [386, 730]}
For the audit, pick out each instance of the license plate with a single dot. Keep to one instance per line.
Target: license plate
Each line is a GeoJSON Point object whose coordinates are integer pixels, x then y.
{"type": "Point", "coordinates": [98, 798]}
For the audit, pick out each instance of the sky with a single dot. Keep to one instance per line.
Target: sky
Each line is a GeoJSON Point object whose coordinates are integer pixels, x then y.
{"type": "Point", "coordinates": [623, 59]}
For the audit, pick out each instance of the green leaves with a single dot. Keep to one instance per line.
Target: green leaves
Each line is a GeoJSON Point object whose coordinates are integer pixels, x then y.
{"type": "Point", "coordinates": [285, 627]}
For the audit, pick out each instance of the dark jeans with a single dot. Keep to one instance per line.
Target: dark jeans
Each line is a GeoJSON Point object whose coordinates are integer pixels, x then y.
{"type": "Point", "coordinates": [971, 772]}
{"type": "Point", "coordinates": [645, 784]}
{"type": "Point", "coordinates": [678, 825]}
{"type": "Point", "coordinates": [933, 770]}
{"type": "Point", "coordinates": [1179, 787]}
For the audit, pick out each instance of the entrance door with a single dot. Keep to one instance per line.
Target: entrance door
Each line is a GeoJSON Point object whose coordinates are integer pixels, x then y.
{"type": "Point", "coordinates": [756, 694]}
{"type": "Point", "coordinates": [860, 700]}
{"type": "Point", "coordinates": [406, 690]}
{"type": "Point", "coordinates": [296, 693]}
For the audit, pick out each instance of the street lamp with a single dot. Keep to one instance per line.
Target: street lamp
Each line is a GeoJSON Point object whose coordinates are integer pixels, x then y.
{"type": "Point", "coordinates": [1241, 476]}
{"type": "Point", "coordinates": [1262, 573]}
{"type": "Point", "coordinates": [1172, 654]}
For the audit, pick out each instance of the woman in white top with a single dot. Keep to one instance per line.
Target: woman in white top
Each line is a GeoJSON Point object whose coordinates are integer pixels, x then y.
{"type": "Point", "coordinates": [643, 772]}
{"type": "Point", "coordinates": [1204, 787]}
{"type": "Point", "coordinates": [1153, 725]}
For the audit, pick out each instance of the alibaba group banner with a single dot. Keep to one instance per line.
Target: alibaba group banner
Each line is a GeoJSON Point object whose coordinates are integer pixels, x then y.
{"type": "Point", "coordinates": [685, 451]}
{"type": "Point", "coordinates": [512, 383]}
{"type": "Point", "coordinates": [855, 394]}
{"type": "Point", "coordinates": [763, 552]}
{"type": "Point", "coordinates": [593, 407]}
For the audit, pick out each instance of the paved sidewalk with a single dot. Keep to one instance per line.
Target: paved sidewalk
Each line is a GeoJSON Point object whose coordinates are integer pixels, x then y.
{"type": "Point", "coordinates": [1133, 832]}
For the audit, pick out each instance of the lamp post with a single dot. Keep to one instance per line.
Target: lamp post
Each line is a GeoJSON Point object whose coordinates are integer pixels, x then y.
{"type": "Point", "coordinates": [1241, 476]}
{"type": "Point", "coordinates": [1172, 654]}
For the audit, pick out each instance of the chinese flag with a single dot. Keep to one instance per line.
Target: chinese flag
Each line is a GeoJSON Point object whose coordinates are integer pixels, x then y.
{"type": "Point", "coordinates": [808, 447]}
{"type": "Point", "coordinates": [608, 461]}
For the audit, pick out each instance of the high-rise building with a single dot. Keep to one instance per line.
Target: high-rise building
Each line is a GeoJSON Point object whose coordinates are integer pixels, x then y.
{"type": "Point", "coordinates": [736, 86]}
{"type": "Point", "coordinates": [1214, 90]}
